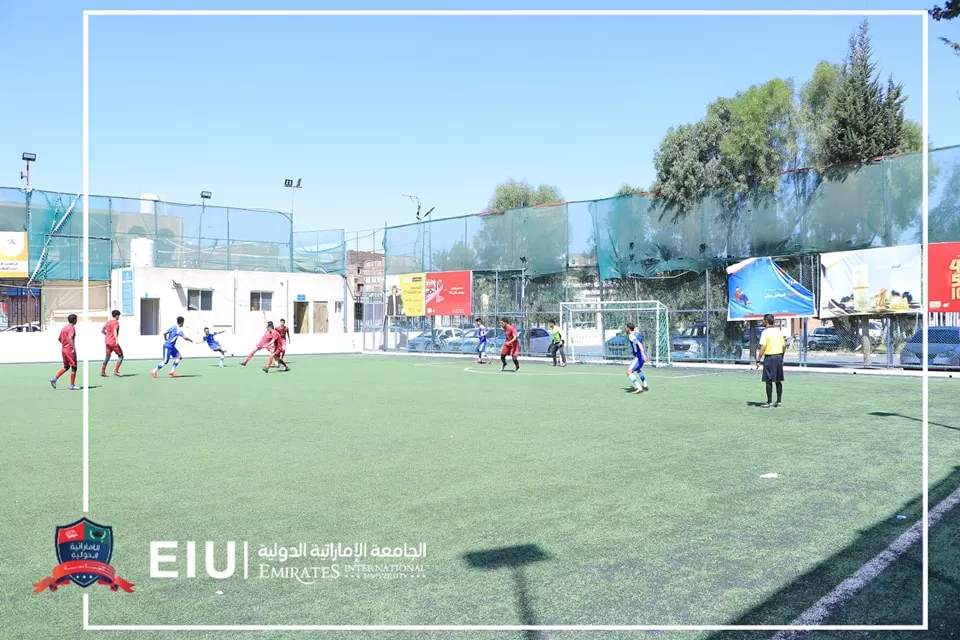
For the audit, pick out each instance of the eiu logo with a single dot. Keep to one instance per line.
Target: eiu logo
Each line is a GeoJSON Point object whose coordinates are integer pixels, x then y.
{"type": "Point", "coordinates": [84, 550]}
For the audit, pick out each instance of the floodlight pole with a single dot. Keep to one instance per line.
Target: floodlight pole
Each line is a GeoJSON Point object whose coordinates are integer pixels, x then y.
{"type": "Point", "coordinates": [293, 194]}
{"type": "Point", "coordinates": [204, 196]}
{"type": "Point", "coordinates": [28, 158]}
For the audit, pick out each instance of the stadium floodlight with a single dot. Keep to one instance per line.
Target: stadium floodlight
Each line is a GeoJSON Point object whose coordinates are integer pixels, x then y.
{"type": "Point", "coordinates": [25, 175]}
{"type": "Point", "coordinates": [205, 195]}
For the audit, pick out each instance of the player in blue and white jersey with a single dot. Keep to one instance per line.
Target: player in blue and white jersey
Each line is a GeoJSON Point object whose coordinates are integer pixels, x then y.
{"type": "Point", "coordinates": [482, 343]}
{"type": "Point", "coordinates": [635, 371]}
{"type": "Point", "coordinates": [210, 338]}
{"type": "Point", "coordinates": [170, 351]}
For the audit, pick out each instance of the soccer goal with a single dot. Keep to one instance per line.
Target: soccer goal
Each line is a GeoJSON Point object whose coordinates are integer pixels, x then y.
{"type": "Point", "coordinates": [596, 331]}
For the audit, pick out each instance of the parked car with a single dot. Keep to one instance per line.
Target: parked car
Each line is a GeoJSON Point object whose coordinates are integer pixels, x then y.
{"type": "Point", "coordinates": [538, 341]}
{"type": "Point", "coordinates": [24, 328]}
{"type": "Point", "coordinates": [434, 339]}
{"type": "Point", "coordinates": [823, 338]}
{"type": "Point", "coordinates": [757, 329]}
{"type": "Point", "coordinates": [467, 343]}
{"type": "Point", "coordinates": [943, 349]}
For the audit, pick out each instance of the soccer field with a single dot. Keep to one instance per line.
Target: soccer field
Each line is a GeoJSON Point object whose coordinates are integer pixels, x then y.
{"type": "Point", "coordinates": [550, 496]}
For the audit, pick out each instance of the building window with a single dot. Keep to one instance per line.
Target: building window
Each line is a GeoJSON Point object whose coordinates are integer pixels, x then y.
{"type": "Point", "coordinates": [261, 301]}
{"type": "Point", "coordinates": [199, 300]}
{"type": "Point", "coordinates": [338, 307]}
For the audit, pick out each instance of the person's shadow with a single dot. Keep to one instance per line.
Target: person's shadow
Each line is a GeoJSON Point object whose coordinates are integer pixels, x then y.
{"type": "Point", "coordinates": [514, 559]}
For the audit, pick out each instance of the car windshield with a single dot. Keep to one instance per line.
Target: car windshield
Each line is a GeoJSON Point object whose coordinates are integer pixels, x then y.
{"type": "Point", "coordinates": [938, 335]}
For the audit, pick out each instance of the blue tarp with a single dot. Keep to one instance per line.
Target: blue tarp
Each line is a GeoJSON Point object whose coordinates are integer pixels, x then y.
{"type": "Point", "coordinates": [758, 286]}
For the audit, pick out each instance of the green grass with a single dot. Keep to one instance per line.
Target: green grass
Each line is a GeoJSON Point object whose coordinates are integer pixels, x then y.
{"type": "Point", "coordinates": [646, 509]}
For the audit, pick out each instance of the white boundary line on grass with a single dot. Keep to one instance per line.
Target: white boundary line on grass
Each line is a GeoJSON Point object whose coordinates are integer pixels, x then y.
{"type": "Point", "coordinates": [847, 589]}
{"type": "Point", "coordinates": [466, 13]}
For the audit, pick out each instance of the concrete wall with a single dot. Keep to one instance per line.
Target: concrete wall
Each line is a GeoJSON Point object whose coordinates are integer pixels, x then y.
{"type": "Point", "coordinates": [315, 296]}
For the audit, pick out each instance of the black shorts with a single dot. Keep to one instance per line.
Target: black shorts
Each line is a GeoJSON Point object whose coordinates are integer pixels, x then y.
{"type": "Point", "coordinates": [773, 368]}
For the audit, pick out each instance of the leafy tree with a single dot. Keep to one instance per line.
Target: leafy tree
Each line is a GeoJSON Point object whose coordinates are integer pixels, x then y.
{"type": "Point", "coordinates": [945, 216]}
{"type": "Point", "coordinates": [949, 11]}
{"type": "Point", "coordinates": [515, 195]}
{"type": "Point", "coordinates": [629, 190]}
{"type": "Point", "coordinates": [459, 256]}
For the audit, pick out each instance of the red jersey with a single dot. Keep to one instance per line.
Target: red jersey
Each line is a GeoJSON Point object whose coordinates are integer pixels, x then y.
{"type": "Point", "coordinates": [267, 337]}
{"type": "Point", "coordinates": [275, 337]}
{"type": "Point", "coordinates": [511, 332]}
{"type": "Point", "coordinates": [112, 329]}
{"type": "Point", "coordinates": [67, 335]}
{"type": "Point", "coordinates": [283, 331]}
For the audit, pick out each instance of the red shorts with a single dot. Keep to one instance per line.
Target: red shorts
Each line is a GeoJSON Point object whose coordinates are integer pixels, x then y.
{"type": "Point", "coordinates": [281, 346]}
{"type": "Point", "coordinates": [512, 349]}
{"type": "Point", "coordinates": [114, 348]}
{"type": "Point", "coordinates": [69, 358]}
{"type": "Point", "coordinates": [262, 345]}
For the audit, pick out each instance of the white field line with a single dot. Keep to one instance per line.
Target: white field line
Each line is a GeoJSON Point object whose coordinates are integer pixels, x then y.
{"type": "Point", "coordinates": [847, 589]}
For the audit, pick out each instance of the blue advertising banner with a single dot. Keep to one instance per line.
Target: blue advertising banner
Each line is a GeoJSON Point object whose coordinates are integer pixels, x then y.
{"type": "Point", "coordinates": [126, 292]}
{"type": "Point", "coordinates": [758, 286]}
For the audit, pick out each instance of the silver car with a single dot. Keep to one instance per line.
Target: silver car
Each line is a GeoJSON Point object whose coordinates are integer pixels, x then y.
{"type": "Point", "coordinates": [943, 349]}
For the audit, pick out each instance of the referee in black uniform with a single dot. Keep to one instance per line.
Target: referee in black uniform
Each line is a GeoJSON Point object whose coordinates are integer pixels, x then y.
{"type": "Point", "coordinates": [772, 346]}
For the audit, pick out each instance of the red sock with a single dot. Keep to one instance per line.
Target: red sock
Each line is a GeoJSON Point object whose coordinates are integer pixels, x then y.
{"type": "Point", "coordinates": [269, 362]}
{"type": "Point", "coordinates": [116, 368]}
{"type": "Point", "coordinates": [73, 378]}
{"type": "Point", "coordinates": [60, 373]}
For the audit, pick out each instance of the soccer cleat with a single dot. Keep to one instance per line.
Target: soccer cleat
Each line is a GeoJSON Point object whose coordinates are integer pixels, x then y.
{"type": "Point", "coordinates": [286, 368]}
{"type": "Point", "coordinates": [766, 405]}
{"type": "Point", "coordinates": [243, 364]}
{"type": "Point", "coordinates": [74, 387]}
{"type": "Point", "coordinates": [563, 364]}
{"type": "Point", "coordinates": [777, 405]}
{"type": "Point", "coordinates": [53, 382]}
{"type": "Point", "coordinates": [117, 374]}
{"type": "Point", "coordinates": [637, 392]}
{"type": "Point", "coordinates": [153, 373]}
{"type": "Point", "coordinates": [103, 374]}
{"type": "Point", "coordinates": [173, 374]}
{"type": "Point", "coordinates": [266, 370]}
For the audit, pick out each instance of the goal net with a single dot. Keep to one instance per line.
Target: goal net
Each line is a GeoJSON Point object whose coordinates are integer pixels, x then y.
{"type": "Point", "coordinates": [596, 331]}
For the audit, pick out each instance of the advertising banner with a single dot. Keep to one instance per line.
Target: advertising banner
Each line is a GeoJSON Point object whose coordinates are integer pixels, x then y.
{"type": "Point", "coordinates": [448, 293]}
{"type": "Point", "coordinates": [871, 282]}
{"type": "Point", "coordinates": [757, 286]}
{"type": "Point", "coordinates": [405, 295]}
{"type": "Point", "coordinates": [13, 255]}
{"type": "Point", "coordinates": [943, 277]}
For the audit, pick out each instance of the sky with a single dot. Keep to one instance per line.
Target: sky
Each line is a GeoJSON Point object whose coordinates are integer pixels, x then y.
{"type": "Point", "coordinates": [365, 109]}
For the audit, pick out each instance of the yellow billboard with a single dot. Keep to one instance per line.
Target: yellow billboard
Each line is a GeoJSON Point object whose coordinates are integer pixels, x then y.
{"type": "Point", "coordinates": [412, 289]}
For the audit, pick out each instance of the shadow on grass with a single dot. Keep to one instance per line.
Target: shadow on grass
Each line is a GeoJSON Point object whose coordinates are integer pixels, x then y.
{"type": "Point", "coordinates": [515, 559]}
{"type": "Point", "coordinates": [893, 597]}
{"type": "Point", "coordinates": [887, 414]}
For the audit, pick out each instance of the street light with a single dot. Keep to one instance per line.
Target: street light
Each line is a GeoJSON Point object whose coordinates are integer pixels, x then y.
{"type": "Point", "coordinates": [288, 183]}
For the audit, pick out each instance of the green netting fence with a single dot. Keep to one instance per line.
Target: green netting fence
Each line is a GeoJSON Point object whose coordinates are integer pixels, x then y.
{"type": "Point", "coordinates": [835, 209]}
{"type": "Point", "coordinates": [185, 236]}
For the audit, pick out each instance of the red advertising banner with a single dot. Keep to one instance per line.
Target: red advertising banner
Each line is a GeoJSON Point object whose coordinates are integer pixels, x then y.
{"type": "Point", "coordinates": [448, 293]}
{"type": "Point", "coordinates": [943, 277]}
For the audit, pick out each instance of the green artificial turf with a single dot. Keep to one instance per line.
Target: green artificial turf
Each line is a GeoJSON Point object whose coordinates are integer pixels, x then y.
{"type": "Point", "coordinates": [551, 496]}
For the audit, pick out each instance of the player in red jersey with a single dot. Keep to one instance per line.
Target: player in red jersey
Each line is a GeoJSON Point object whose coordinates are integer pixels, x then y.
{"type": "Point", "coordinates": [284, 332]}
{"type": "Point", "coordinates": [112, 330]}
{"type": "Point", "coordinates": [68, 349]}
{"type": "Point", "coordinates": [263, 344]}
{"type": "Point", "coordinates": [511, 347]}
{"type": "Point", "coordinates": [275, 349]}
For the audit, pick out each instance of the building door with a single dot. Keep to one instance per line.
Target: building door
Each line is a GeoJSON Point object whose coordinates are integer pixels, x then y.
{"type": "Point", "coordinates": [149, 316]}
{"type": "Point", "coordinates": [300, 320]}
{"type": "Point", "coordinates": [320, 319]}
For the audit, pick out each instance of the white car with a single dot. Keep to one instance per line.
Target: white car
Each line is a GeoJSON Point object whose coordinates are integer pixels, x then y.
{"type": "Point", "coordinates": [434, 339]}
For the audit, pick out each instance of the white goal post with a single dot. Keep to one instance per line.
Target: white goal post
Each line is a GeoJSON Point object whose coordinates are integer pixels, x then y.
{"type": "Point", "coordinates": [595, 331]}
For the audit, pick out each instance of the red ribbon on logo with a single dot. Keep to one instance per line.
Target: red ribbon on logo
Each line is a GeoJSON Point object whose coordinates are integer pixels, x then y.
{"type": "Point", "coordinates": [61, 573]}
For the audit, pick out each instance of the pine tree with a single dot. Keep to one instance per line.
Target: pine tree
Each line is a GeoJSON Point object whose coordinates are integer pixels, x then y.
{"type": "Point", "coordinates": [865, 119]}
